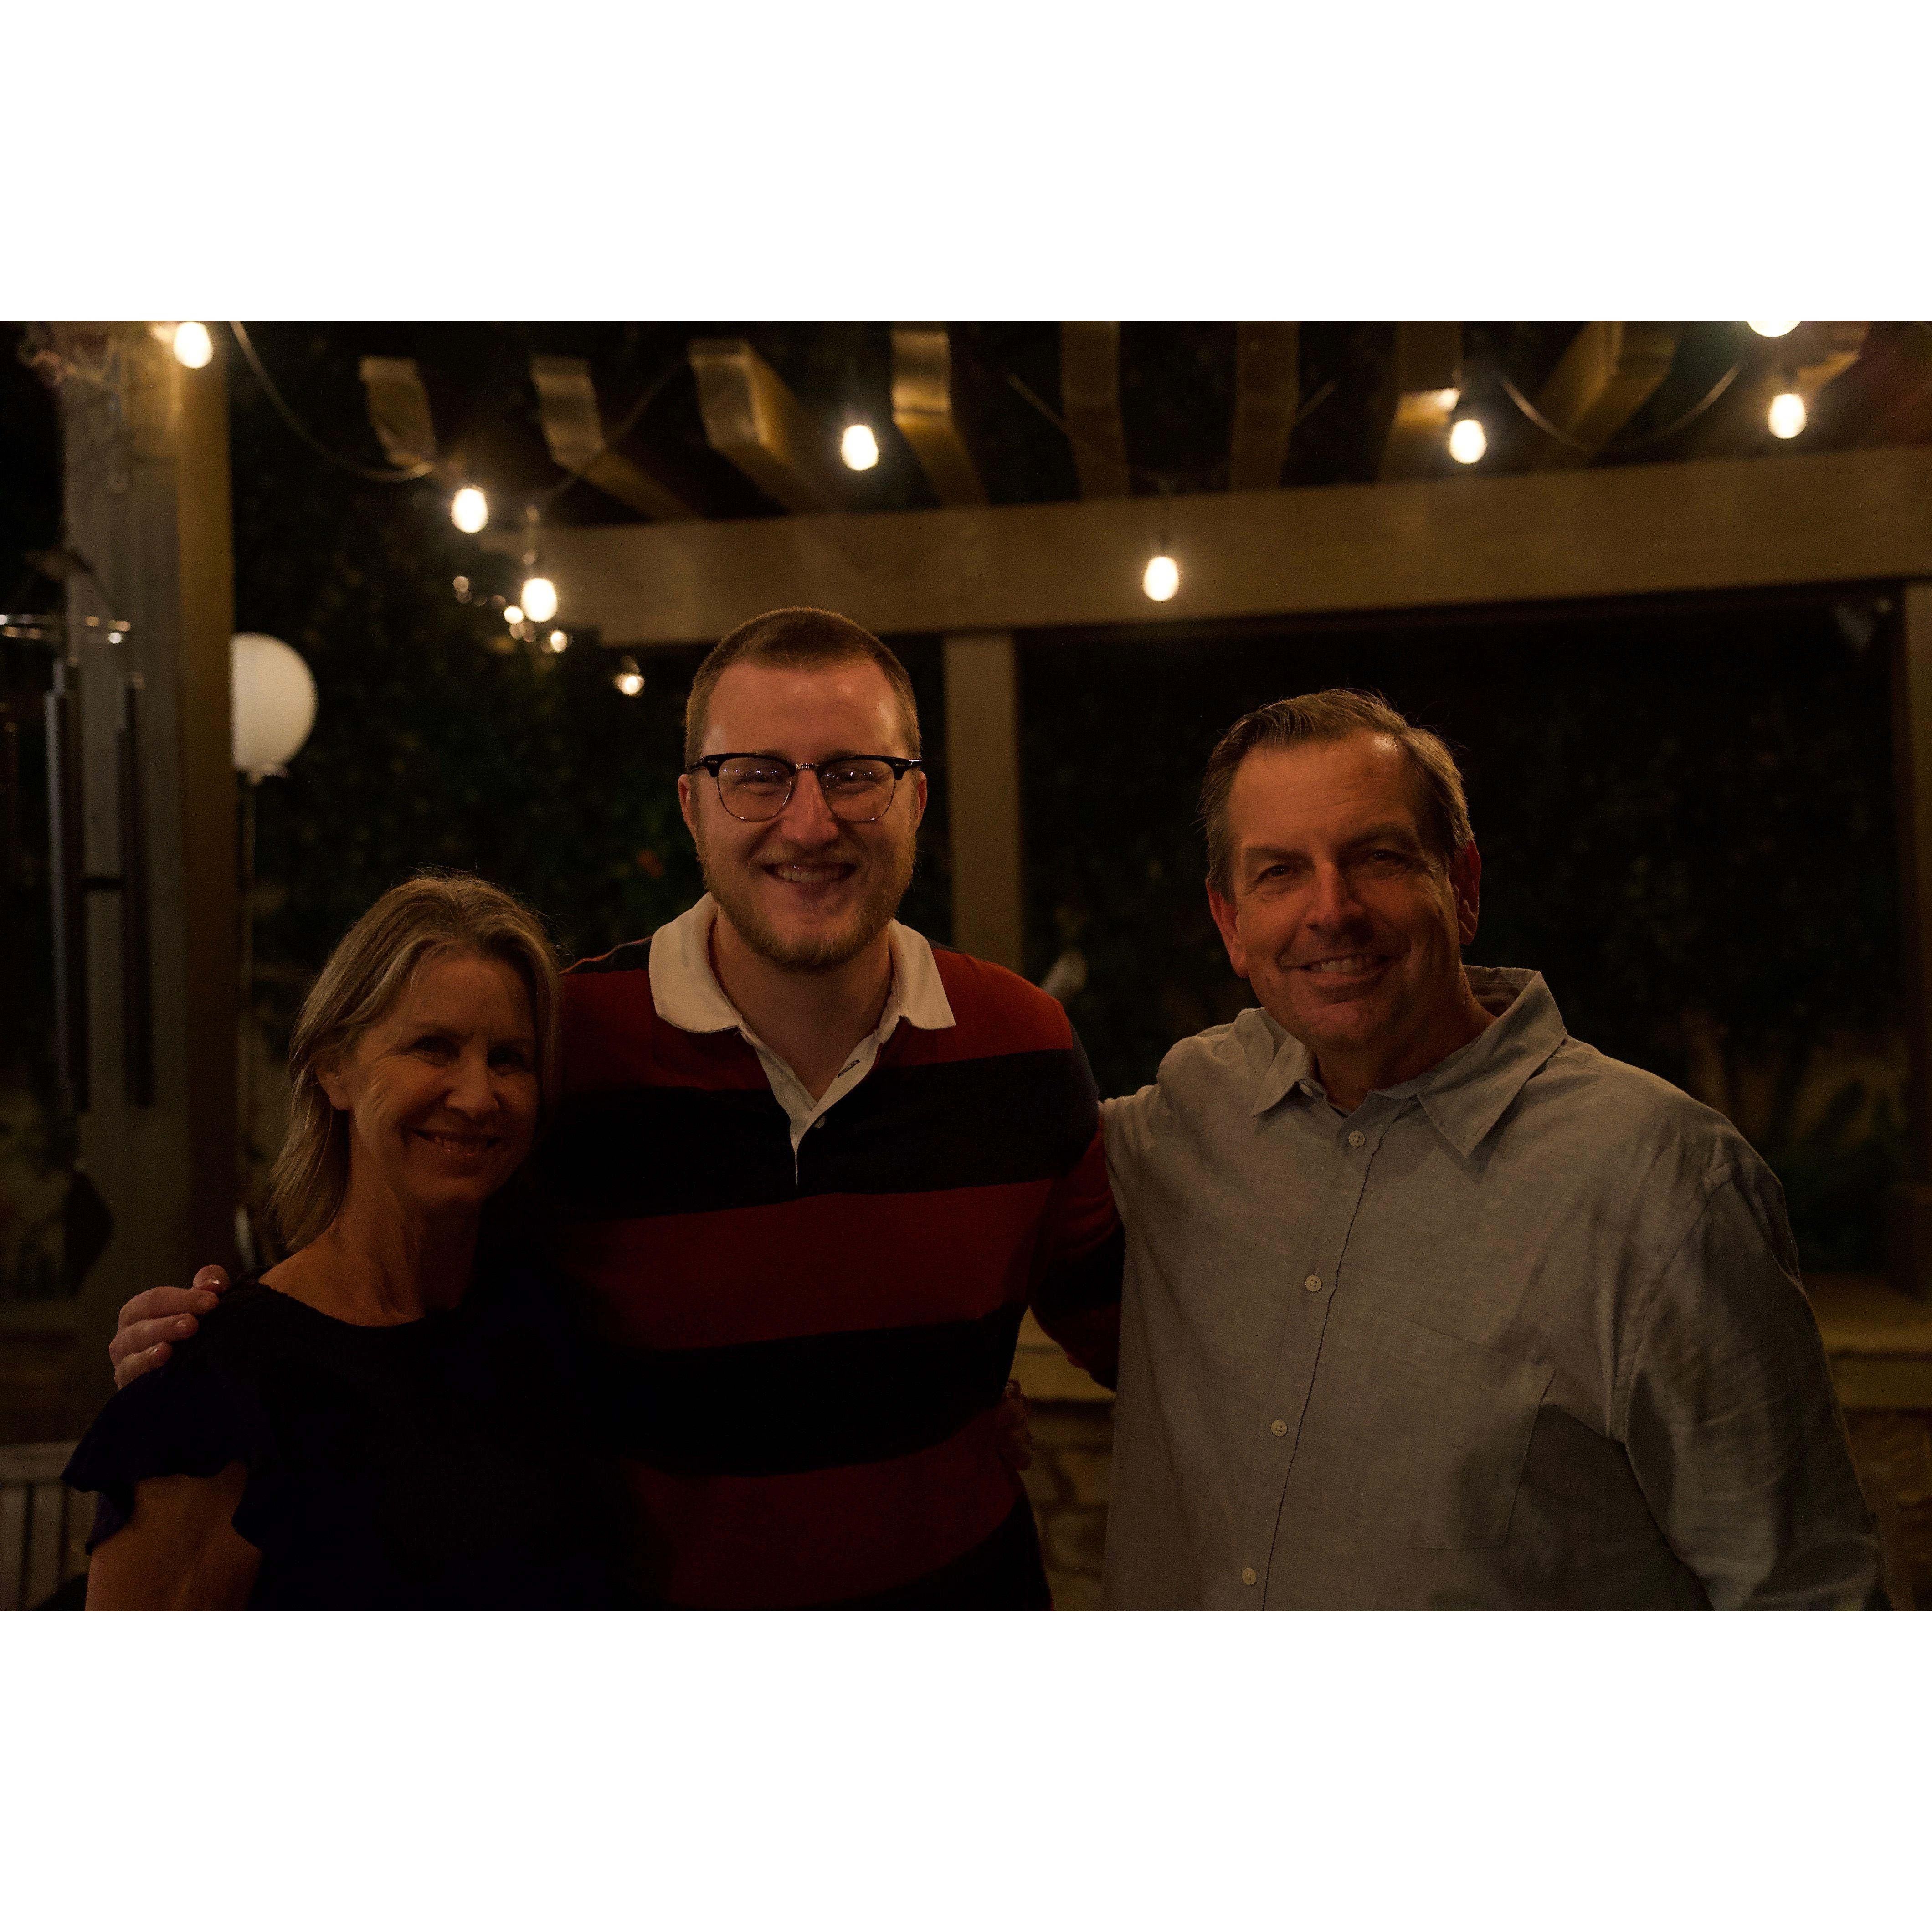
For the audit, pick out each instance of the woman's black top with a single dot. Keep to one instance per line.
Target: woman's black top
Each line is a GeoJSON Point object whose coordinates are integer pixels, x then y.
{"type": "Point", "coordinates": [440, 1464]}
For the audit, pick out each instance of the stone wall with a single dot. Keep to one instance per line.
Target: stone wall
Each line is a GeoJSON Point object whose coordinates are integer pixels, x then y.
{"type": "Point", "coordinates": [1073, 1455]}
{"type": "Point", "coordinates": [1893, 1450]}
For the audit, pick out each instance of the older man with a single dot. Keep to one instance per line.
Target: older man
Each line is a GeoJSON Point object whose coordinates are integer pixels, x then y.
{"type": "Point", "coordinates": [812, 1174]}
{"type": "Point", "coordinates": [1428, 1303]}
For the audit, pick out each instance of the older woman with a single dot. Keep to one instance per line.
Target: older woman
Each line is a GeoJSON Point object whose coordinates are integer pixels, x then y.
{"type": "Point", "coordinates": [355, 1428]}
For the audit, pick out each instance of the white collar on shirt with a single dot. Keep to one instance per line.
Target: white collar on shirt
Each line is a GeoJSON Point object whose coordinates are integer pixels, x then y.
{"type": "Point", "coordinates": [687, 995]}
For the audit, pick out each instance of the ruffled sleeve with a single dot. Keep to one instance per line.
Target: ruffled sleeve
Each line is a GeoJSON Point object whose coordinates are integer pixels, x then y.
{"type": "Point", "coordinates": [176, 1420]}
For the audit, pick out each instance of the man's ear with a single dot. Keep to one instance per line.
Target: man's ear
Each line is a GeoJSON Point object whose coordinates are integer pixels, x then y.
{"type": "Point", "coordinates": [1223, 911]}
{"type": "Point", "coordinates": [919, 790]}
{"type": "Point", "coordinates": [1465, 881]}
{"type": "Point", "coordinates": [687, 805]}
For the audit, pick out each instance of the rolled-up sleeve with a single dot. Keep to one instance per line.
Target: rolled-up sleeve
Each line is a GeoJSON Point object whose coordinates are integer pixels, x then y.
{"type": "Point", "coordinates": [1730, 1421]}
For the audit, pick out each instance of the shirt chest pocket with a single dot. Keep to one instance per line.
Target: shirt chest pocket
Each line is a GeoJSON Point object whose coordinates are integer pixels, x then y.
{"type": "Point", "coordinates": [1463, 1414]}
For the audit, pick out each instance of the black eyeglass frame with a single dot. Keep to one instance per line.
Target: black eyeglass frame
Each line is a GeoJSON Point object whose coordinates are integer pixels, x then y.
{"type": "Point", "coordinates": [713, 761]}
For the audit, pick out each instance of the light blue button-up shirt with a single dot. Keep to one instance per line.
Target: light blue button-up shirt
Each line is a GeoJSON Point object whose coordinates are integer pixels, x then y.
{"type": "Point", "coordinates": [1524, 1332]}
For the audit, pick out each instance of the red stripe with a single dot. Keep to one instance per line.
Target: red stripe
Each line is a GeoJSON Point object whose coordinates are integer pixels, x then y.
{"type": "Point", "coordinates": [827, 1264]}
{"type": "Point", "coordinates": [775, 1542]}
{"type": "Point", "coordinates": [613, 1039]}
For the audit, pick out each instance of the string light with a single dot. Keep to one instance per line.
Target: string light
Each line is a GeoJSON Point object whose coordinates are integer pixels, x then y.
{"type": "Point", "coordinates": [629, 680]}
{"type": "Point", "coordinates": [859, 448]}
{"type": "Point", "coordinates": [1773, 329]}
{"type": "Point", "coordinates": [559, 642]}
{"type": "Point", "coordinates": [512, 616]}
{"type": "Point", "coordinates": [1468, 441]}
{"type": "Point", "coordinates": [1446, 400]}
{"type": "Point", "coordinates": [1161, 579]}
{"type": "Point", "coordinates": [539, 599]}
{"type": "Point", "coordinates": [470, 509]}
{"type": "Point", "coordinates": [194, 347]}
{"type": "Point", "coordinates": [1787, 416]}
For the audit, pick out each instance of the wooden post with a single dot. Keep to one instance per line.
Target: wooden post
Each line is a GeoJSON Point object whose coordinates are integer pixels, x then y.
{"type": "Point", "coordinates": [982, 763]}
{"type": "Point", "coordinates": [146, 459]}
{"type": "Point", "coordinates": [1909, 1231]}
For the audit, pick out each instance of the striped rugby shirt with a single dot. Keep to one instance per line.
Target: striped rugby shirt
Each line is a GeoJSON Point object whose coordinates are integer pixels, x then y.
{"type": "Point", "coordinates": [806, 1311]}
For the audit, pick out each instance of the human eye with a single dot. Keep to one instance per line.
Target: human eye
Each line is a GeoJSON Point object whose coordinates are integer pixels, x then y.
{"type": "Point", "coordinates": [756, 774]}
{"type": "Point", "coordinates": [1388, 858]}
{"type": "Point", "coordinates": [857, 775]}
{"type": "Point", "coordinates": [432, 1046]}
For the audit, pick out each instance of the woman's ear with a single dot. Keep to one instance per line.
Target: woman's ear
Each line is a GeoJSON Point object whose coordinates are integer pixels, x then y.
{"type": "Point", "coordinates": [330, 1080]}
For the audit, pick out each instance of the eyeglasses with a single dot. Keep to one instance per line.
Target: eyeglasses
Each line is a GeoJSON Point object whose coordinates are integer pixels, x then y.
{"type": "Point", "coordinates": [856, 790]}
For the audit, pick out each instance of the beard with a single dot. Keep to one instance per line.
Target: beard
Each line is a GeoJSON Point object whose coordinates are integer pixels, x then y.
{"type": "Point", "coordinates": [886, 875]}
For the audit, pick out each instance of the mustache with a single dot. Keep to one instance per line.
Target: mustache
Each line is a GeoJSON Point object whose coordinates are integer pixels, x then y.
{"type": "Point", "coordinates": [838, 852]}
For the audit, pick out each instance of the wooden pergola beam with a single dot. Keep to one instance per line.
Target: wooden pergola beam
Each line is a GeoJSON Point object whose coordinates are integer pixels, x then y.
{"type": "Point", "coordinates": [1632, 530]}
{"type": "Point", "coordinates": [1815, 354]}
{"type": "Point", "coordinates": [1886, 397]}
{"type": "Point", "coordinates": [1608, 373]}
{"type": "Point", "coordinates": [922, 410]}
{"type": "Point", "coordinates": [399, 411]}
{"type": "Point", "coordinates": [1090, 399]}
{"type": "Point", "coordinates": [754, 421]}
{"type": "Point", "coordinates": [573, 427]}
{"type": "Point", "coordinates": [1429, 384]}
{"type": "Point", "coordinates": [1268, 393]}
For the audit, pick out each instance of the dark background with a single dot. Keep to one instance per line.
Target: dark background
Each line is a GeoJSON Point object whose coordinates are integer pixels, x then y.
{"type": "Point", "coordinates": [1685, 812]}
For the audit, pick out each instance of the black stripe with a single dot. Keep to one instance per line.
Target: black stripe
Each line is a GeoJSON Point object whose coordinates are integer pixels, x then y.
{"type": "Point", "coordinates": [1003, 1573]}
{"type": "Point", "coordinates": [814, 1402]}
{"type": "Point", "coordinates": [1016, 1116]}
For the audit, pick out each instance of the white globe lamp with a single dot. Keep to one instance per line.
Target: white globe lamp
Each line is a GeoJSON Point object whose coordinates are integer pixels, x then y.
{"type": "Point", "coordinates": [273, 698]}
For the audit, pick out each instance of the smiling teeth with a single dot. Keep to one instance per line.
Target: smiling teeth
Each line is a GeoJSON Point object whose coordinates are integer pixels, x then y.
{"type": "Point", "coordinates": [1355, 962]}
{"type": "Point", "coordinates": [808, 875]}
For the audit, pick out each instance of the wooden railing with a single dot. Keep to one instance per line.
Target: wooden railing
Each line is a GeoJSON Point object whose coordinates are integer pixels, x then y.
{"type": "Point", "coordinates": [43, 1524]}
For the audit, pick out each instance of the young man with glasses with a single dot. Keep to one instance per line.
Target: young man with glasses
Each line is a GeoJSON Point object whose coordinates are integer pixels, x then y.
{"type": "Point", "coordinates": [813, 1173]}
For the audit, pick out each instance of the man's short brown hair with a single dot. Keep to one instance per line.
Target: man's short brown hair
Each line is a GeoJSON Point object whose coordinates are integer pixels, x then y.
{"type": "Point", "coordinates": [1325, 717]}
{"type": "Point", "coordinates": [795, 639]}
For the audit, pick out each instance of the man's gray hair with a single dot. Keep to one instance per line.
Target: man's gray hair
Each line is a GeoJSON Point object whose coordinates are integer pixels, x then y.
{"type": "Point", "coordinates": [1325, 717]}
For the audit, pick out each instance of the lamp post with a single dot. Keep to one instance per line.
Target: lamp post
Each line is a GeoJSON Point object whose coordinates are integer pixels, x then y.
{"type": "Point", "coordinates": [273, 694]}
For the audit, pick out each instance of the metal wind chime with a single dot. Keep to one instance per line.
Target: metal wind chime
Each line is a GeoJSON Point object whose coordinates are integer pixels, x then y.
{"type": "Point", "coordinates": [69, 881]}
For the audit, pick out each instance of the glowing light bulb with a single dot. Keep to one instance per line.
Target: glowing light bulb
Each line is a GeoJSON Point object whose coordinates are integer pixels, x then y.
{"type": "Point", "coordinates": [1786, 416]}
{"type": "Point", "coordinates": [560, 642]}
{"type": "Point", "coordinates": [470, 509]}
{"type": "Point", "coordinates": [1446, 400]}
{"type": "Point", "coordinates": [1468, 442]}
{"type": "Point", "coordinates": [1773, 329]}
{"type": "Point", "coordinates": [1161, 579]}
{"type": "Point", "coordinates": [859, 448]}
{"type": "Point", "coordinates": [512, 616]}
{"type": "Point", "coordinates": [194, 347]}
{"type": "Point", "coordinates": [539, 599]}
{"type": "Point", "coordinates": [629, 680]}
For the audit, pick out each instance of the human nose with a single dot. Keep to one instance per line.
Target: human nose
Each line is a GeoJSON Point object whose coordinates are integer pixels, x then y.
{"type": "Point", "coordinates": [1333, 900]}
{"type": "Point", "coordinates": [471, 1089]}
{"type": "Point", "coordinates": [807, 817]}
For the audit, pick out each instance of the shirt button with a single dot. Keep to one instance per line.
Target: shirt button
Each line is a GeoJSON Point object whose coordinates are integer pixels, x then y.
{"type": "Point", "coordinates": [1313, 1284]}
{"type": "Point", "coordinates": [1357, 1138]}
{"type": "Point", "coordinates": [1278, 1428]}
{"type": "Point", "coordinates": [1247, 1575]}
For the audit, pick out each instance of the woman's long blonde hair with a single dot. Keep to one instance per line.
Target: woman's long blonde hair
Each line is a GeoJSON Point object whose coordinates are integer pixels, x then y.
{"type": "Point", "coordinates": [432, 913]}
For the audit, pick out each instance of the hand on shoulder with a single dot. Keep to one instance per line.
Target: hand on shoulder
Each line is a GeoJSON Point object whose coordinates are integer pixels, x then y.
{"type": "Point", "coordinates": [153, 1321]}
